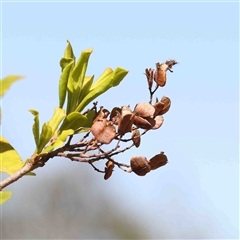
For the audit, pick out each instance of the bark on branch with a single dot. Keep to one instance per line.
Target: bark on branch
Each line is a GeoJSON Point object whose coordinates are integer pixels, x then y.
{"type": "Point", "coordinates": [15, 176]}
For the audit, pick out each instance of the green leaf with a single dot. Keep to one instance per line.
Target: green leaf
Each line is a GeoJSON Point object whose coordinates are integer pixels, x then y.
{"type": "Point", "coordinates": [110, 80]}
{"type": "Point", "coordinates": [80, 68]}
{"type": "Point", "coordinates": [7, 82]}
{"type": "Point", "coordinates": [106, 72]}
{"type": "Point", "coordinates": [73, 121]}
{"type": "Point", "coordinates": [75, 83]}
{"type": "Point", "coordinates": [90, 117]}
{"type": "Point", "coordinates": [10, 160]}
{"type": "Point", "coordinates": [70, 91]}
{"type": "Point", "coordinates": [70, 107]}
{"type": "Point", "coordinates": [68, 56]}
{"type": "Point", "coordinates": [4, 196]}
{"type": "Point", "coordinates": [69, 51]}
{"type": "Point", "coordinates": [30, 174]}
{"type": "Point", "coordinates": [35, 127]}
{"type": "Point", "coordinates": [86, 86]}
{"type": "Point", "coordinates": [64, 62]}
{"type": "Point", "coordinates": [60, 140]}
{"type": "Point", "coordinates": [49, 128]}
{"type": "Point", "coordinates": [45, 136]}
{"type": "Point", "coordinates": [63, 83]}
{"type": "Point", "coordinates": [58, 116]}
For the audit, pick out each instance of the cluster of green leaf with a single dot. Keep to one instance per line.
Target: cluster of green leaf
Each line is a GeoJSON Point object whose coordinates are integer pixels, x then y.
{"type": "Point", "coordinates": [79, 90]}
{"type": "Point", "coordinates": [76, 91]}
{"type": "Point", "coordinates": [10, 161]}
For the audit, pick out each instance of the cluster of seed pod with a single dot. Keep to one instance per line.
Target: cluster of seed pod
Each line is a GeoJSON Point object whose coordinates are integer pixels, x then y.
{"type": "Point", "coordinates": [108, 126]}
{"type": "Point", "coordinates": [159, 76]}
{"type": "Point", "coordinates": [124, 120]}
{"type": "Point", "coordinates": [141, 166]}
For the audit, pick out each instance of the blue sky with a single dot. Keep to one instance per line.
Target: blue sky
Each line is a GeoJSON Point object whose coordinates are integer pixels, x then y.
{"type": "Point", "coordinates": [199, 187]}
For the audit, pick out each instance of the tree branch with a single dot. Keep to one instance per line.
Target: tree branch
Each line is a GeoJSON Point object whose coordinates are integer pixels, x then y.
{"type": "Point", "coordinates": [19, 174]}
{"type": "Point", "coordinates": [104, 131]}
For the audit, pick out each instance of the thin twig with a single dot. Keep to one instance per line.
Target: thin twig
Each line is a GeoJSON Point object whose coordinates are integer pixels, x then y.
{"type": "Point", "coordinates": [120, 165]}
{"type": "Point", "coordinates": [122, 150]}
{"type": "Point", "coordinates": [152, 93]}
{"type": "Point", "coordinates": [130, 139]}
{"type": "Point", "coordinates": [95, 168]}
{"type": "Point", "coordinates": [69, 140]}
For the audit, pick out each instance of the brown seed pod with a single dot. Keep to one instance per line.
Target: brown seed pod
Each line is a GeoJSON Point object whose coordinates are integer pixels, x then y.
{"type": "Point", "coordinates": [157, 161]}
{"type": "Point", "coordinates": [142, 123]}
{"type": "Point", "coordinates": [115, 115]}
{"type": "Point", "coordinates": [158, 108]}
{"type": "Point", "coordinates": [144, 110]}
{"type": "Point", "coordinates": [167, 103]}
{"type": "Point", "coordinates": [108, 169]}
{"type": "Point", "coordinates": [109, 164]}
{"type": "Point", "coordinates": [136, 137]}
{"type": "Point", "coordinates": [139, 165]}
{"type": "Point", "coordinates": [149, 74]}
{"type": "Point", "coordinates": [104, 131]}
{"type": "Point", "coordinates": [158, 121]}
{"type": "Point", "coordinates": [160, 74]}
{"type": "Point", "coordinates": [126, 121]}
{"type": "Point", "coordinates": [171, 63]}
{"type": "Point", "coordinates": [101, 114]}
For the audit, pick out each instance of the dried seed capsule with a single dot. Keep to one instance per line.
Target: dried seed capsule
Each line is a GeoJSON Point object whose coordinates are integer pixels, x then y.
{"type": "Point", "coordinates": [144, 110]}
{"type": "Point", "coordinates": [136, 138]}
{"type": "Point", "coordinates": [171, 63]}
{"type": "Point", "coordinates": [167, 103]}
{"type": "Point", "coordinates": [157, 161]}
{"type": "Point", "coordinates": [104, 131]}
{"type": "Point", "coordinates": [149, 74]}
{"type": "Point", "coordinates": [126, 121]}
{"type": "Point", "coordinates": [101, 114]}
{"type": "Point", "coordinates": [158, 121]}
{"type": "Point", "coordinates": [108, 169]}
{"type": "Point", "coordinates": [158, 108]}
{"type": "Point", "coordinates": [142, 123]}
{"type": "Point", "coordinates": [139, 165]}
{"type": "Point", "coordinates": [110, 164]}
{"type": "Point", "coordinates": [160, 74]}
{"type": "Point", "coordinates": [115, 115]}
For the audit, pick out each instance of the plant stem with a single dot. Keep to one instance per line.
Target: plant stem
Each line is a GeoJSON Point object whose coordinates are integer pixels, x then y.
{"type": "Point", "coordinates": [15, 176]}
